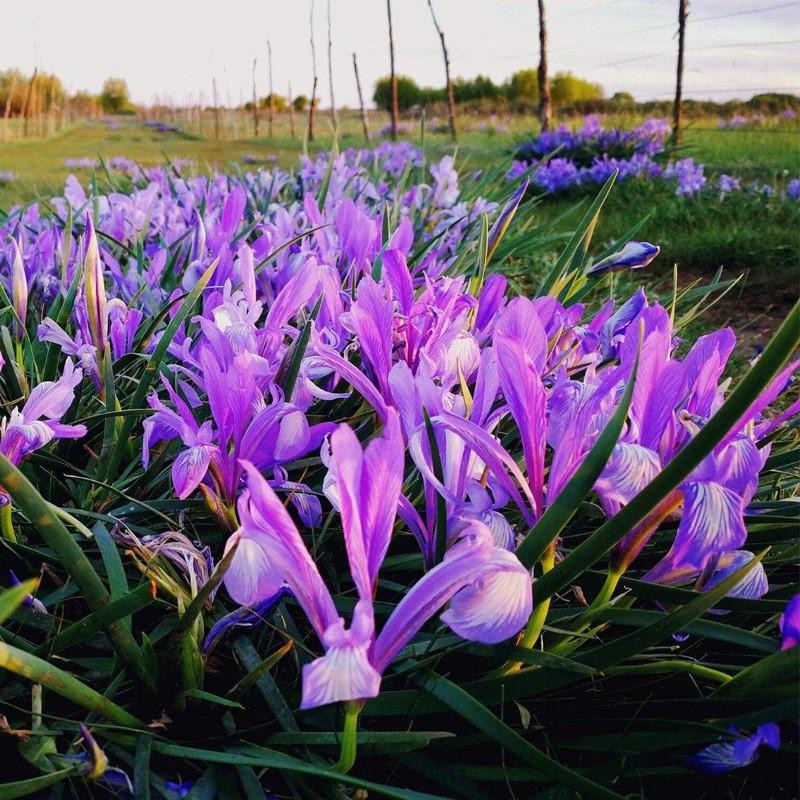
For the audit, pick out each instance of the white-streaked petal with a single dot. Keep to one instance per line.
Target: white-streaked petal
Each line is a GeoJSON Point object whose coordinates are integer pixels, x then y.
{"type": "Point", "coordinates": [630, 468]}
{"type": "Point", "coordinates": [494, 607]}
{"type": "Point", "coordinates": [252, 576]}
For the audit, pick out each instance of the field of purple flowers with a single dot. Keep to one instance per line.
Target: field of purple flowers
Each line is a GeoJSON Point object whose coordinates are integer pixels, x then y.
{"type": "Point", "coordinates": [300, 499]}
{"type": "Point", "coordinates": [564, 159]}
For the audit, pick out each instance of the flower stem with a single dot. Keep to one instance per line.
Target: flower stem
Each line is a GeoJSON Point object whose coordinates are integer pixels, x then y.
{"type": "Point", "coordinates": [603, 596]}
{"type": "Point", "coordinates": [6, 526]}
{"type": "Point", "coordinates": [347, 755]}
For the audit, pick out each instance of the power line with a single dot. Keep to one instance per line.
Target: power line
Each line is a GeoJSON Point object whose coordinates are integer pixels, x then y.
{"type": "Point", "coordinates": [693, 49]}
{"type": "Point", "coordinates": [589, 10]}
{"type": "Point", "coordinates": [671, 24]}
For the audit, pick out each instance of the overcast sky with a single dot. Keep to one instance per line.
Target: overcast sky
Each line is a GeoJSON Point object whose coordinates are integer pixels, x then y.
{"type": "Point", "coordinates": [173, 48]}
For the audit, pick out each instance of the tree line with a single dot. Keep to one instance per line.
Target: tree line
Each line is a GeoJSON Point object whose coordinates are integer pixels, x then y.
{"type": "Point", "coordinates": [521, 88]}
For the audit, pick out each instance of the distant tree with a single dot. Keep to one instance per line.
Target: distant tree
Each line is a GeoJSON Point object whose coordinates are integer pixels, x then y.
{"type": "Point", "coordinates": [566, 88]}
{"type": "Point", "coordinates": [408, 93]}
{"type": "Point", "coordinates": [280, 102]}
{"type": "Point", "coordinates": [524, 85]}
{"type": "Point", "coordinates": [13, 83]}
{"type": "Point", "coordinates": [622, 97]}
{"type": "Point", "coordinates": [479, 88]}
{"type": "Point", "coordinates": [300, 103]}
{"type": "Point", "coordinates": [51, 88]}
{"type": "Point", "coordinates": [114, 97]}
{"type": "Point", "coordinates": [81, 104]}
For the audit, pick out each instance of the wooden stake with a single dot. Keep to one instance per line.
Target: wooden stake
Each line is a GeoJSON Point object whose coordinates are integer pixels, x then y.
{"type": "Point", "coordinates": [27, 104]}
{"type": "Point", "coordinates": [394, 109]}
{"type": "Point", "coordinates": [312, 111]}
{"type": "Point", "coordinates": [334, 116]}
{"type": "Point", "coordinates": [291, 111]}
{"type": "Point", "coordinates": [271, 116]}
{"type": "Point", "coordinates": [255, 99]}
{"type": "Point", "coordinates": [545, 109]}
{"type": "Point", "coordinates": [11, 89]}
{"type": "Point", "coordinates": [364, 120]}
{"type": "Point", "coordinates": [451, 103]}
{"type": "Point", "coordinates": [677, 108]}
{"type": "Point", "coordinates": [216, 107]}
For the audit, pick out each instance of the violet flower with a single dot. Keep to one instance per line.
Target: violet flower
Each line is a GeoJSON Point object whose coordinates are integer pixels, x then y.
{"type": "Point", "coordinates": [790, 624]}
{"type": "Point", "coordinates": [19, 291]}
{"type": "Point", "coordinates": [488, 589]}
{"type": "Point", "coordinates": [740, 752]}
{"type": "Point", "coordinates": [634, 255]}
{"type": "Point", "coordinates": [39, 420]}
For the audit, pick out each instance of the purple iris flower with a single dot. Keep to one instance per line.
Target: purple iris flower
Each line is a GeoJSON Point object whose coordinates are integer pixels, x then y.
{"type": "Point", "coordinates": [790, 624]}
{"type": "Point", "coordinates": [634, 255]}
{"type": "Point", "coordinates": [243, 617]}
{"type": "Point", "coordinates": [488, 589]}
{"type": "Point", "coordinates": [30, 601]}
{"type": "Point", "coordinates": [19, 290]}
{"type": "Point", "coordinates": [39, 420]}
{"type": "Point", "coordinates": [181, 788]}
{"type": "Point", "coordinates": [740, 752]}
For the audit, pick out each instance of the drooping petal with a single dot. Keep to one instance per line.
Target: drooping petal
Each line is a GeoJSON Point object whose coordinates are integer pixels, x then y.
{"type": "Point", "coordinates": [265, 518]}
{"type": "Point", "coordinates": [753, 586]}
{"type": "Point", "coordinates": [630, 468]}
{"type": "Point", "coordinates": [494, 607]}
{"type": "Point", "coordinates": [474, 558]}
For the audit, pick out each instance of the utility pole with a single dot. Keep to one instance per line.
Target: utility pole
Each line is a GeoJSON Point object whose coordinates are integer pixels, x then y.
{"type": "Point", "coordinates": [677, 108]}
{"type": "Point", "coordinates": [545, 110]}
{"type": "Point", "coordinates": [394, 110]}
{"type": "Point", "coordinates": [364, 120]}
{"type": "Point", "coordinates": [451, 103]}
{"type": "Point", "coordinates": [334, 116]}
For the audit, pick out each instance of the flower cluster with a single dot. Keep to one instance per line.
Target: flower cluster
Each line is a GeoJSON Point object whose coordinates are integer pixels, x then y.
{"type": "Point", "coordinates": [564, 159]}
{"type": "Point", "coordinates": [336, 326]}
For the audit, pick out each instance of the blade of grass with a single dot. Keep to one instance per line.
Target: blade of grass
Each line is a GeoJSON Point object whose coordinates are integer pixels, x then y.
{"type": "Point", "coordinates": [72, 558]}
{"type": "Point", "coordinates": [36, 670]}
{"type": "Point", "coordinates": [25, 788]}
{"type": "Point", "coordinates": [466, 706]}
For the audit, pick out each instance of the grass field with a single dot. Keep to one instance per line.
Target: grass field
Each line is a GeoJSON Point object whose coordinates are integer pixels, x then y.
{"type": "Point", "coordinates": [756, 240]}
